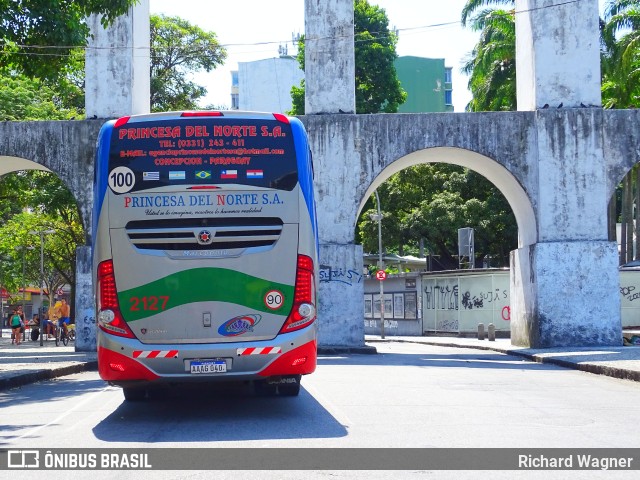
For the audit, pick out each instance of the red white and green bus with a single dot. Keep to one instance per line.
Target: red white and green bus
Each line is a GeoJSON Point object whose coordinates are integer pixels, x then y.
{"type": "Point", "coordinates": [205, 251]}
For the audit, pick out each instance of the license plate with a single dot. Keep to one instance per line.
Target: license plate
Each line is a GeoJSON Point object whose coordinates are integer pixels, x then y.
{"type": "Point", "coordinates": [208, 366]}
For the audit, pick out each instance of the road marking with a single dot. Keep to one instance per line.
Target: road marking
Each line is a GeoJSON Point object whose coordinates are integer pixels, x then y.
{"type": "Point", "coordinates": [65, 414]}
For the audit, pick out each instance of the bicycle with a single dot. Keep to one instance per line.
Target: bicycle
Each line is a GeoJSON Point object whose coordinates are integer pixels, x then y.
{"type": "Point", "coordinates": [71, 331]}
{"type": "Point", "coordinates": [61, 336]}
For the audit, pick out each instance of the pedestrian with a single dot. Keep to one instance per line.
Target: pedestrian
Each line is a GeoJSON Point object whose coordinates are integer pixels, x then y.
{"type": "Point", "coordinates": [48, 327]}
{"type": "Point", "coordinates": [16, 326]}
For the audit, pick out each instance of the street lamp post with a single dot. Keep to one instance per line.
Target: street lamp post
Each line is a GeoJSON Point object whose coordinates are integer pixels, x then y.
{"type": "Point", "coordinates": [42, 234]}
{"type": "Point", "coordinates": [24, 288]}
{"type": "Point", "coordinates": [378, 218]}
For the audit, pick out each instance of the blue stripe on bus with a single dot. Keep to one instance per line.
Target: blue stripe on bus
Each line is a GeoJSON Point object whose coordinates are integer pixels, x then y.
{"type": "Point", "coordinates": [101, 174]}
{"type": "Point", "coordinates": [305, 170]}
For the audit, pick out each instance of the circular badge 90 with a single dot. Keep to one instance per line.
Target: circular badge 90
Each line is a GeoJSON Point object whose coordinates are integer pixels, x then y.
{"type": "Point", "coordinates": [274, 299]}
{"type": "Point", "coordinates": [121, 179]}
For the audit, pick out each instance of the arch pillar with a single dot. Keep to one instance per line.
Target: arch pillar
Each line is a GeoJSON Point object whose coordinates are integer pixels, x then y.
{"type": "Point", "coordinates": [565, 287]}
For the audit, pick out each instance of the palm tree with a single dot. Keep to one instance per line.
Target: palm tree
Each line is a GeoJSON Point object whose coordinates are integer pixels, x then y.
{"type": "Point", "coordinates": [621, 54]}
{"type": "Point", "coordinates": [491, 66]}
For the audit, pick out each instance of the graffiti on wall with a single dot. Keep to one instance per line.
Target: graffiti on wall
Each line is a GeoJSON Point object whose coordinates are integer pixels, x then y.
{"type": "Point", "coordinates": [376, 323]}
{"type": "Point", "coordinates": [630, 293]}
{"type": "Point", "coordinates": [442, 297]}
{"type": "Point", "coordinates": [447, 325]}
{"type": "Point", "coordinates": [470, 301]}
{"type": "Point", "coordinates": [347, 276]}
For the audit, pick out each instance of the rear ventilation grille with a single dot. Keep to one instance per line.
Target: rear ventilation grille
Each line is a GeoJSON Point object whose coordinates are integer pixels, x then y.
{"type": "Point", "coordinates": [204, 233]}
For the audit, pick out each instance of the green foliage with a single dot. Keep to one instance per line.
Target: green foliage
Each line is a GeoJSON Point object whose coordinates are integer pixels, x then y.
{"type": "Point", "coordinates": [38, 35]}
{"type": "Point", "coordinates": [23, 98]}
{"type": "Point", "coordinates": [491, 66]}
{"type": "Point", "coordinates": [377, 86]}
{"type": "Point", "coordinates": [621, 54]}
{"type": "Point", "coordinates": [432, 202]}
{"type": "Point", "coordinates": [36, 201]}
{"type": "Point", "coordinates": [180, 48]}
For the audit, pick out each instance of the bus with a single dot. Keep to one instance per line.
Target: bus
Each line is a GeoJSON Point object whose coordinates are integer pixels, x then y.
{"type": "Point", "coordinates": [205, 251]}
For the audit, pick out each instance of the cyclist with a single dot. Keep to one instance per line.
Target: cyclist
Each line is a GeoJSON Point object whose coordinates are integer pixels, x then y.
{"type": "Point", "coordinates": [64, 314]}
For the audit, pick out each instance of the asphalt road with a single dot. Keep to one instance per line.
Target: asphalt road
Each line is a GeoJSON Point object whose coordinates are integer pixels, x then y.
{"type": "Point", "coordinates": [407, 396]}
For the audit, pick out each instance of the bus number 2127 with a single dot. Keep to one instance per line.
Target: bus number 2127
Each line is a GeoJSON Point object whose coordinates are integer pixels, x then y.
{"type": "Point", "coordinates": [148, 303]}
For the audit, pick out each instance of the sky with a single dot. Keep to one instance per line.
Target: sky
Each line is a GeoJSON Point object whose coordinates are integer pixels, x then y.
{"type": "Point", "coordinates": [253, 30]}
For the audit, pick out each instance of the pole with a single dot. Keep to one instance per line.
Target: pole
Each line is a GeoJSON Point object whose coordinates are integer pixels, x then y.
{"type": "Point", "coordinates": [41, 233]}
{"type": "Point", "coordinates": [24, 335]}
{"type": "Point", "coordinates": [41, 285]}
{"type": "Point", "coordinates": [381, 264]}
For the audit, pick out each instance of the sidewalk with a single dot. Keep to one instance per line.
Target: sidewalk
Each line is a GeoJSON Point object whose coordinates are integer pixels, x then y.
{"type": "Point", "coordinates": [29, 362]}
{"type": "Point", "coordinates": [619, 362]}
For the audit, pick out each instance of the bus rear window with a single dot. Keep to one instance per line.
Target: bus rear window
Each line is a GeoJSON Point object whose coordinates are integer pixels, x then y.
{"type": "Point", "coordinates": [203, 151]}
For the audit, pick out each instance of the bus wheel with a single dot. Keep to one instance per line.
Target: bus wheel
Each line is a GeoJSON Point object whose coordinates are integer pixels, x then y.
{"type": "Point", "coordinates": [134, 394]}
{"type": "Point", "coordinates": [291, 390]}
{"type": "Point", "coordinates": [263, 389]}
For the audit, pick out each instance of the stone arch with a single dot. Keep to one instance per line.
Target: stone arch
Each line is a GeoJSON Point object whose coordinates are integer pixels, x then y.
{"type": "Point", "coordinates": [499, 176]}
{"type": "Point", "coordinates": [64, 148]}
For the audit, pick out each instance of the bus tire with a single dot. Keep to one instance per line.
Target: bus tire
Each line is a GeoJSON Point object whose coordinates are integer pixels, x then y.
{"type": "Point", "coordinates": [291, 390]}
{"type": "Point", "coordinates": [263, 389]}
{"type": "Point", "coordinates": [134, 394]}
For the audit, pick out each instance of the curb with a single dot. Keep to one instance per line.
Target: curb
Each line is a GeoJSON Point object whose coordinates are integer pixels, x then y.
{"type": "Point", "coordinates": [22, 379]}
{"type": "Point", "coordinates": [609, 371]}
{"type": "Point", "coordinates": [339, 349]}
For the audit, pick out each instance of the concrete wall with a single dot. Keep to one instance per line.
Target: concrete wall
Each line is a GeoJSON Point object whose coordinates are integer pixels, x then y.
{"type": "Point", "coordinates": [117, 72]}
{"type": "Point", "coordinates": [557, 54]}
{"type": "Point", "coordinates": [84, 303]}
{"type": "Point", "coordinates": [329, 57]}
{"type": "Point", "coordinates": [66, 148]}
{"type": "Point", "coordinates": [403, 305]}
{"type": "Point", "coordinates": [341, 294]}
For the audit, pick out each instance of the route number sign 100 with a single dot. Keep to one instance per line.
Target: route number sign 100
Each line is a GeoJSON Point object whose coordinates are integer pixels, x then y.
{"type": "Point", "coordinates": [121, 179]}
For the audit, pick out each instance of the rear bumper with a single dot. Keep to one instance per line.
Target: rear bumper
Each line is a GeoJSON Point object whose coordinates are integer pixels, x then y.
{"type": "Point", "coordinates": [123, 361]}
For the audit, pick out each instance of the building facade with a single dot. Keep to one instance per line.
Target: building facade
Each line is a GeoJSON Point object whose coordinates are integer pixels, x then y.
{"type": "Point", "coordinates": [427, 82]}
{"type": "Point", "coordinates": [265, 85]}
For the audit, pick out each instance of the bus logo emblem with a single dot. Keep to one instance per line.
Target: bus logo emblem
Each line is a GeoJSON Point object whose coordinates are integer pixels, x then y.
{"type": "Point", "coordinates": [239, 325]}
{"type": "Point", "coordinates": [205, 237]}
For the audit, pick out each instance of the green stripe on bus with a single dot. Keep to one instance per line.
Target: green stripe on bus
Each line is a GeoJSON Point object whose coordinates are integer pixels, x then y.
{"type": "Point", "coordinates": [200, 285]}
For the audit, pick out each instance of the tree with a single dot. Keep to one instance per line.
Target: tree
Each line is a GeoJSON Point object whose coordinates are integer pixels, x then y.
{"type": "Point", "coordinates": [39, 201]}
{"type": "Point", "coordinates": [38, 35]}
{"type": "Point", "coordinates": [620, 61]}
{"type": "Point", "coordinates": [178, 49]}
{"type": "Point", "coordinates": [377, 86]}
{"type": "Point", "coordinates": [24, 98]}
{"type": "Point", "coordinates": [621, 54]}
{"type": "Point", "coordinates": [491, 66]}
{"type": "Point", "coordinates": [432, 202]}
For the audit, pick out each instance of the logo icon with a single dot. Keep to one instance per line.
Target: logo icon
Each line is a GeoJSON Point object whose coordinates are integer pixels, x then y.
{"type": "Point", "coordinates": [203, 174]}
{"type": "Point", "coordinates": [205, 237]}
{"type": "Point", "coordinates": [23, 459]}
{"type": "Point", "coordinates": [239, 325]}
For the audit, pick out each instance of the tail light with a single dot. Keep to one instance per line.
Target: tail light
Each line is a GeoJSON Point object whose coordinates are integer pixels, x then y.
{"type": "Point", "coordinates": [303, 312]}
{"type": "Point", "coordinates": [110, 319]}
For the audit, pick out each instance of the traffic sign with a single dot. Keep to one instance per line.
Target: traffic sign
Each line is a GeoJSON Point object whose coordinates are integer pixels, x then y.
{"type": "Point", "coordinates": [381, 275]}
